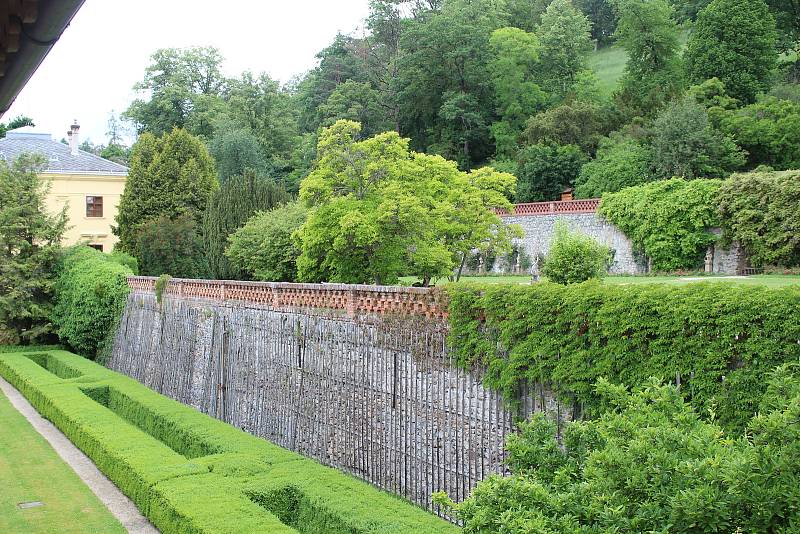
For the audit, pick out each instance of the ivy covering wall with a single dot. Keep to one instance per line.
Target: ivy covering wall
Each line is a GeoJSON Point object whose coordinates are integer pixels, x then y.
{"type": "Point", "coordinates": [718, 340]}
{"type": "Point", "coordinates": [669, 220]}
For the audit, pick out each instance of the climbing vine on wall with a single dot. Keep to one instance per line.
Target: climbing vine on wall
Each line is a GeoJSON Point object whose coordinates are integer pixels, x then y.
{"type": "Point", "coordinates": [717, 340]}
{"type": "Point", "coordinates": [669, 221]}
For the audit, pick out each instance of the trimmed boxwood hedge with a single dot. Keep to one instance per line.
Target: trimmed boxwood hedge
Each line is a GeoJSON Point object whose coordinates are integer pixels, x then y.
{"type": "Point", "coordinates": [721, 339]}
{"type": "Point", "coordinates": [190, 473]}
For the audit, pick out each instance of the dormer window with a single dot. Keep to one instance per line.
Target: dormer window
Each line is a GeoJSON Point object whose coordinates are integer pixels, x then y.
{"type": "Point", "coordinates": [94, 206]}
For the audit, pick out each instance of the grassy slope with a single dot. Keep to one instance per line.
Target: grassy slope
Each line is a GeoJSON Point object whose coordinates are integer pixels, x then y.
{"type": "Point", "coordinates": [30, 470]}
{"type": "Point", "coordinates": [609, 64]}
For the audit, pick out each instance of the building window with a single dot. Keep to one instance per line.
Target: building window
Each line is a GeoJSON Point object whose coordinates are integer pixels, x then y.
{"type": "Point", "coordinates": [97, 246]}
{"type": "Point", "coordinates": [94, 206]}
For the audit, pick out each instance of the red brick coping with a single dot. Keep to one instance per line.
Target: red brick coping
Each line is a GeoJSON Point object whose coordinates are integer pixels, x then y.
{"type": "Point", "coordinates": [553, 208]}
{"type": "Point", "coordinates": [353, 299]}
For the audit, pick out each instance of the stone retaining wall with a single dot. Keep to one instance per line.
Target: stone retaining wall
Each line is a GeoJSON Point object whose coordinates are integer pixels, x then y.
{"type": "Point", "coordinates": [372, 392]}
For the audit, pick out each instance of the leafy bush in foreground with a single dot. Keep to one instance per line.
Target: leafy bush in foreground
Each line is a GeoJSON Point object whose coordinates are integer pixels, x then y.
{"type": "Point", "coordinates": [90, 295]}
{"type": "Point", "coordinates": [649, 464]}
{"type": "Point", "coordinates": [574, 257]}
{"type": "Point", "coordinates": [721, 339]}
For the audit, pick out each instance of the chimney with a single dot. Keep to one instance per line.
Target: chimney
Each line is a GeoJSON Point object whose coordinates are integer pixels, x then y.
{"type": "Point", "coordinates": [72, 135]}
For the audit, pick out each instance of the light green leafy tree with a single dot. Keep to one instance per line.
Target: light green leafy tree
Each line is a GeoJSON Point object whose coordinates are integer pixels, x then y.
{"type": "Point", "coordinates": [380, 211]}
{"type": "Point", "coordinates": [517, 95]}
{"type": "Point", "coordinates": [30, 240]}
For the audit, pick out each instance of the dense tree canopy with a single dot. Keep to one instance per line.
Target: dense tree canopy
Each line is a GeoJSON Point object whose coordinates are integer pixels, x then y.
{"type": "Point", "coordinates": [735, 41]}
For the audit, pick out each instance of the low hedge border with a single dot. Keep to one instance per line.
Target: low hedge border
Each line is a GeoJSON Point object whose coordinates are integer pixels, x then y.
{"type": "Point", "coordinates": [188, 472]}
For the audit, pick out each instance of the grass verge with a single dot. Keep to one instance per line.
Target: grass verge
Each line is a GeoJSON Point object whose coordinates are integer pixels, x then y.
{"type": "Point", "coordinates": [31, 471]}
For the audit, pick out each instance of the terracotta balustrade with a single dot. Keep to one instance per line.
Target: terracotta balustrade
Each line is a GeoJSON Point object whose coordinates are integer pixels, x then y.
{"type": "Point", "coordinates": [553, 208]}
{"type": "Point", "coordinates": [353, 299]}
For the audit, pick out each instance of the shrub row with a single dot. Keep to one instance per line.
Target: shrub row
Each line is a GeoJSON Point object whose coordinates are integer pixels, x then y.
{"type": "Point", "coordinates": [719, 340]}
{"type": "Point", "coordinates": [188, 472]}
{"type": "Point", "coordinates": [90, 295]}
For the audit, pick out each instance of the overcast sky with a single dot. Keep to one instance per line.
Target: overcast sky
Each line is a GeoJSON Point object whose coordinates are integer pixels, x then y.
{"type": "Point", "coordinates": [92, 68]}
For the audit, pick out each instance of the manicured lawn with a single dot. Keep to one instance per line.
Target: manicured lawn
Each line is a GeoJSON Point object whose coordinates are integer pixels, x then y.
{"type": "Point", "coordinates": [30, 470]}
{"type": "Point", "coordinates": [769, 280]}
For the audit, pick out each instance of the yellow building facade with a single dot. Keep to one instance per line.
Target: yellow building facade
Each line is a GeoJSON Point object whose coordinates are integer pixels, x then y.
{"type": "Point", "coordinates": [88, 185]}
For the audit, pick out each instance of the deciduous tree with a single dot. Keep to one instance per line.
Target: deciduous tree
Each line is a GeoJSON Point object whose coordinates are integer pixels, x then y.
{"type": "Point", "coordinates": [735, 41]}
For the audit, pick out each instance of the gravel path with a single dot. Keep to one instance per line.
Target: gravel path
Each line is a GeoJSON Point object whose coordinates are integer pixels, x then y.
{"type": "Point", "coordinates": [118, 504]}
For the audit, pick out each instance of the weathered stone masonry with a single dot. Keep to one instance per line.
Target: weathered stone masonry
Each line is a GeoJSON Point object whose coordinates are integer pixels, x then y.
{"type": "Point", "coordinates": [357, 377]}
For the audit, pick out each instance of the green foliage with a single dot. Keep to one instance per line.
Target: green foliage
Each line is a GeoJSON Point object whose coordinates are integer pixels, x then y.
{"type": "Point", "coordinates": [517, 95]}
{"type": "Point", "coordinates": [126, 260]}
{"type": "Point", "coordinates": [17, 122]}
{"type": "Point", "coordinates": [769, 131]}
{"type": "Point", "coordinates": [235, 152]}
{"type": "Point", "coordinates": [686, 144]}
{"type": "Point", "coordinates": [90, 295]}
{"type": "Point", "coordinates": [171, 246]}
{"type": "Point", "coordinates": [653, 74]}
{"type": "Point", "coordinates": [572, 123]}
{"type": "Point", "coordinates": [574, 257]}
{"type": "Point", "coordinates": [30, 239]}
{"type": "Point", "coordinates": [735, 41]}
{"type": "Point", "coordinates": [621, 162]}
{"type": "Point", "coordinates": [169, 176]}
{"type": "Point", "coordinates": [184, 88]}
{"type": "Point", "coordinates": [355, 101]}
{"type": "Point", "coordinates": [669, 220]}
{"type": "Point", "coordinates": [229, 208]}
{"type": "Point", "coordinates": [379, 211]}
{"type": "Point", "coordinates": [264, 248]}
{"type": "Point", "coordinates": [160, 286]}
{"type": "Point", "coordinates": [604, 19]}
{"type": "Point", "coordinates": [759, 210]}
{"type": "Point", "coordinates": [545, 170]}
{"type": "Point", "coordinates": [565, 38]}
{"type": "Point", "coordinates": [568, 337]}
{"type": "Point", "coordinates": [649, 464]}
{"type": "Point", "coordinates": [445, 92]}
{"type": "Point", "coordinates": [188, 472]}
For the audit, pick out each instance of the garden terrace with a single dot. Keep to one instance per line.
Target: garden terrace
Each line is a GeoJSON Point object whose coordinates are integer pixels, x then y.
{"type": "Point", "coordinates": [188, 472]}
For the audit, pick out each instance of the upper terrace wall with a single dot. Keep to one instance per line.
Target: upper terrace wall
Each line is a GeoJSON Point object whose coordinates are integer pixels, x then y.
{"type": "Point", "coordinates": [538, 220]}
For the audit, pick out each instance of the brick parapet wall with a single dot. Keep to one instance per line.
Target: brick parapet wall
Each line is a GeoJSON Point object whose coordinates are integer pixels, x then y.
{"type": "Point", "coordinates": [352, 299]}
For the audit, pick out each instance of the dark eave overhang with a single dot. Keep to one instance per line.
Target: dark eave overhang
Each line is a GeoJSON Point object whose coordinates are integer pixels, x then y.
{"type": "Point", "coordinates": [28, 30]}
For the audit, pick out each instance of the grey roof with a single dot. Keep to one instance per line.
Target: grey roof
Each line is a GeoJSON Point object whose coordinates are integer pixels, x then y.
{"type": "Point", "coordinates": [58, 155]}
